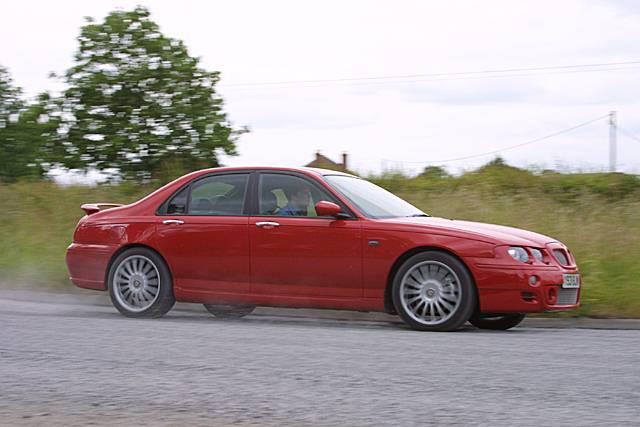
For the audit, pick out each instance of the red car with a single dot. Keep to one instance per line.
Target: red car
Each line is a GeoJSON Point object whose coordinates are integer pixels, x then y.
{"type": "Point", "coordinates": [236, 238]}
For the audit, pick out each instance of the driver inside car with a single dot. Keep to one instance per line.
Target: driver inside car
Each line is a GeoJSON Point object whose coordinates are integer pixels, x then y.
{"type": "Point", "coordinates": [298, 205]}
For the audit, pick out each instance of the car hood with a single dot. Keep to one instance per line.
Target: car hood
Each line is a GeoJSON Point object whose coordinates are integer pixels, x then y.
{"type": "Point", "coordinates": [498, 234]}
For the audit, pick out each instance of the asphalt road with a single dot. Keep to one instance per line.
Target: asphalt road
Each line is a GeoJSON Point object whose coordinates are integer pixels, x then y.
{"type": "Point", "coordinates": [77, 363]}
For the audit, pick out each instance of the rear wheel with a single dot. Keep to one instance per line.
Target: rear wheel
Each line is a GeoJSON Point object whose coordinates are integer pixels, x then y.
{"type": "Point", "coordinates": [229, 311]}
{"type": "Point", "coordinates": [500, 322]}
{"type": "Point", "coordinates": [140, 284]}
{"type": "Point", "coordinates": [433, 291]}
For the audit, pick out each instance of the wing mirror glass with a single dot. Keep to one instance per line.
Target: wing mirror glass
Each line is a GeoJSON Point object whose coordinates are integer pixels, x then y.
{"type": "Point", "coordinates": [324, 208]}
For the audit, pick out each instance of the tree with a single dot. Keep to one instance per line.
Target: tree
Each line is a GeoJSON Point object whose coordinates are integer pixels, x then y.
{"type": "Point", "coordinates": [435, 172]}
{"type": "Point", "coordinates": [10, 101]}
{"type": "Point", "coordinates": [138, 103]}
{"type": "Point", "coordinates": [22, 133]}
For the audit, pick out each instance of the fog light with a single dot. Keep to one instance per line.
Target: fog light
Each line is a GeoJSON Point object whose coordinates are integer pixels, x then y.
{"type": "Point", "coordinates": [533, 280]}
{"type": "Point", "coordinates": [552, 295]}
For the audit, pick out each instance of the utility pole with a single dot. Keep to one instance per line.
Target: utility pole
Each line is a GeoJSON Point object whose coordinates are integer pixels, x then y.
{"type": "Point", "coordinates": [612, 141]}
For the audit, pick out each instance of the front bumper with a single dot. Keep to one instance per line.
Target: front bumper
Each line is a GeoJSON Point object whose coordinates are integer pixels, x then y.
{"type": "Point", "coordinates": [507, 288]}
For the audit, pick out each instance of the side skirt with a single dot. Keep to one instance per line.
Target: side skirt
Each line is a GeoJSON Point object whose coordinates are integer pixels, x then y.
{"type": "Point", "coordinates": [356, 304]}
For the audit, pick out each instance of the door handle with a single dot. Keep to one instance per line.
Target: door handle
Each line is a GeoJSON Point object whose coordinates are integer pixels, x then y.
{"type": "Point", "coordinates": [267, 224]}
{"type": "Point", "coordinates": [173, 221]}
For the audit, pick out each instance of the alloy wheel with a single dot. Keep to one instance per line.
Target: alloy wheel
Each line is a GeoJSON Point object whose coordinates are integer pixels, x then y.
{"type": "Point", "coordinates": [430, 292]}
{"type": "Point", "coordinates": [137, 283]}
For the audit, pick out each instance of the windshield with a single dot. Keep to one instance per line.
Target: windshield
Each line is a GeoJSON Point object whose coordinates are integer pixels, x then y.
{"type": "Point", "coordinates": [371, 200]}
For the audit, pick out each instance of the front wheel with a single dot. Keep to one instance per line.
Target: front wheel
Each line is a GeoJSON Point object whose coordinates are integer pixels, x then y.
{"type": "Point", "coordinates": [140, 284]}
{"type": "Point", "coordinates": [499, 322]}
{"type": "Point", "coordinates": [434, 291]}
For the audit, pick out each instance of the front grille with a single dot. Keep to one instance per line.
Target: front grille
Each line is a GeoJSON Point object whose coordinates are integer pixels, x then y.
{"type": "Point", "coordinates": [567, 296]}
{"type": "Point", "coordinates": [561, 256]}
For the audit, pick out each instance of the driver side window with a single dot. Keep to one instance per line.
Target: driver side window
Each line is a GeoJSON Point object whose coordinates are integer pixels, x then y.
{"type": "Point", "coordinates": [288, 195]}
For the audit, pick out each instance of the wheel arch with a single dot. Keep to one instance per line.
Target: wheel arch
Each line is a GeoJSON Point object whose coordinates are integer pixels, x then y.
{"type": "Point", "coordinates": [389, 307]}
{"type": "Point", "coordinates": [126, 247]}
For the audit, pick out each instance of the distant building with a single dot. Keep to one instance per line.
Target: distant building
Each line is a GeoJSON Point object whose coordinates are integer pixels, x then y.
{"type": "Point", "coordinates": [322, 161]}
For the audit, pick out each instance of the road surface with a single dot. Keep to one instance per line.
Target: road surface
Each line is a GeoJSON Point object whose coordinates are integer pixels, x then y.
{"type": "Point", "coordinates": [79, 362]}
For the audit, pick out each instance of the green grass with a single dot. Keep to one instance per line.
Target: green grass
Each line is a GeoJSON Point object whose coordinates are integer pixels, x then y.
{"type": "Point", "coordinates": [37, 225]}
{"type": "Point", "coordinates": [596, 215]}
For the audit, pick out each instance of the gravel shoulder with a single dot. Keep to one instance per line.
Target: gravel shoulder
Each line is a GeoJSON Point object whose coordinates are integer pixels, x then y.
{"type": "Point", "coordinates": [73, 295]}
{"type": "Point", "coordinates": [72, 360]}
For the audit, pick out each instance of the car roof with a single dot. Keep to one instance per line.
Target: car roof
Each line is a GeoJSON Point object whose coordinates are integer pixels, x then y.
{"type": "Point", "coordinates": [321, 171]}
{"type": "Point", "coordinates": [317, 171]}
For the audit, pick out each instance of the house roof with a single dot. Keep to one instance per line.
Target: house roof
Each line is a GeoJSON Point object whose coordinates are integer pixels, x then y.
{"type": "Point", "coordinates": [323, 162]}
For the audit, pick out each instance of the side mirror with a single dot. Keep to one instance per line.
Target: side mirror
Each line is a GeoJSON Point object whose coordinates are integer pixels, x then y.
{"type": "Point", "coordinates": [324, 208]}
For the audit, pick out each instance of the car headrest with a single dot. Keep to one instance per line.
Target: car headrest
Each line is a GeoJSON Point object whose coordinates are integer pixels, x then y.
{"type": "Point", "coordinates": [203, 205]}
{"type": "Point", "coordinates": [268, 203]}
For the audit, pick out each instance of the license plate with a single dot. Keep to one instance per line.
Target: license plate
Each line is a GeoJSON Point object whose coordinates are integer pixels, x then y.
{"type": "Point", "coordinates": [570, 280]}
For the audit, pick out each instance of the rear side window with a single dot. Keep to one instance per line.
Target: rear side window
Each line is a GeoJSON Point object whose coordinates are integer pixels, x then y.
{"type": "Point", "coordinates": [178, 204]}
{"type": "Point", "coordinates": [218, 195]}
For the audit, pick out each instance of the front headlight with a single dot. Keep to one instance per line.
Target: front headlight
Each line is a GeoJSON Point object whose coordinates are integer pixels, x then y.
{"type": "Point", "coordinates": [537, 254]}
{"type": "Point", "coordinates": [518, 253]}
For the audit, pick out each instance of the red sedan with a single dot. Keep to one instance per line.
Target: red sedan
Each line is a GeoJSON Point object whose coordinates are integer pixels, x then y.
{"type": "Point", "coordinates": [236, 238]}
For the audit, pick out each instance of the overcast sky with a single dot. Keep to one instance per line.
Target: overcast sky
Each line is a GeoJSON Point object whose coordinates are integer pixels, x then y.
{"type": "Point", "coordinates": [389, 122]}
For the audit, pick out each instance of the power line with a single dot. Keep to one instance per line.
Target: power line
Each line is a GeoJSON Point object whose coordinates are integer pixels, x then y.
{"type": "Point", "coordinates": [566, 68]}
{"type": "Point", "coordinates": [400, 82]}
{"type": "Point", "coordinates": [628, 134]}
{"type": "Point", "coordinates": [511, 147]}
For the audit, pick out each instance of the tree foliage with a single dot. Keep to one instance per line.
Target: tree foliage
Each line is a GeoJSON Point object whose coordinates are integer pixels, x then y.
{"type": "Point", "coordinates": [23, 133]}
{"type": "Point", "coordinates": [138, 103]}
{"type": "Point", "coordinates": [10, 101]}
{"type": "Point", "coordinates": [435, 172]}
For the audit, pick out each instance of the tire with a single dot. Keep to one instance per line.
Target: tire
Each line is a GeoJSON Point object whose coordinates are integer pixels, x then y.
{"type": "Point", "coordinates": [434, 291]}
{"type": "Point", "coordinates": [229, 311]}
{"type": "Point", "coordinates": [498, 322]}
{"type": "Point", "coordinates": [140, 284]}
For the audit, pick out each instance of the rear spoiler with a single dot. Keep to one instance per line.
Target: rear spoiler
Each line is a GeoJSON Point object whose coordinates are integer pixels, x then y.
{"type": "Point", "coordinates": [91, 208]}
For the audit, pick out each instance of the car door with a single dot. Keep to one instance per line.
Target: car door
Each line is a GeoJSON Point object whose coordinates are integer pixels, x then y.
{"type": "Point", "coordinates": [203, 234]}
{"type": "Point", "coordinates": [294, 252]}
